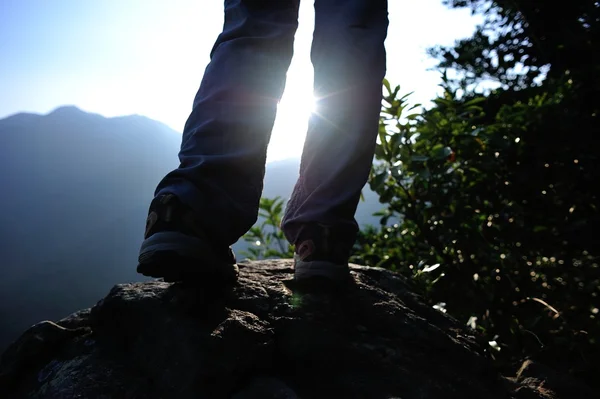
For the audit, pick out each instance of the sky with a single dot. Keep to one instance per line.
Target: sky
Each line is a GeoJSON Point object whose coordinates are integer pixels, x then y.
{"type": "Point", "coordinates": [147, 57]}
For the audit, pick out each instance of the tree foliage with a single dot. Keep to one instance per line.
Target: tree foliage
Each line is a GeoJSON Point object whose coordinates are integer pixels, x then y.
{"type": "Point", "coordinates": [521, 40]}
{"type": "Point", "coordinates": [500, 187]}
{"type": "Point", "coordinates": [487, 228]}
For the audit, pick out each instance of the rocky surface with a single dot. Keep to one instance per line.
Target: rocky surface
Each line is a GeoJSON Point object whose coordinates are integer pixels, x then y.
{"type": "Point", "coordinates": [263, 339]}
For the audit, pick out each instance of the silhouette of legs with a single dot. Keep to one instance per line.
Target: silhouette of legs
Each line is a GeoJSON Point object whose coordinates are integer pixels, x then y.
{"type": "Point", "coordinates": [223, 150]}
{"type": "Point", "coordinates": [349, 59]}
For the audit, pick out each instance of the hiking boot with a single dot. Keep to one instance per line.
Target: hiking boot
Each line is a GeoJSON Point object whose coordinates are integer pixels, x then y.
{"type": "Point", "coordinates": [320, 255]}
{"type": "Point", "coordinates": [176, 247]}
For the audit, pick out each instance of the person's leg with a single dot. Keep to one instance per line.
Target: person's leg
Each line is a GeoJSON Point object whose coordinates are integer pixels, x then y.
{"type": "Point", "coordinates": [212, 198]}
{"type": "Point", "coordinates": [349, 60]}
{"type": "Point", "coordinates": [225, 139]}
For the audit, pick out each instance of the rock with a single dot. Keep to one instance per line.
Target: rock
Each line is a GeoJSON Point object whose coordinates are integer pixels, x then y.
{"type": "Point", "coordinates": [264, 338]}
{"type": "Point", "coordinates": [536, 377]}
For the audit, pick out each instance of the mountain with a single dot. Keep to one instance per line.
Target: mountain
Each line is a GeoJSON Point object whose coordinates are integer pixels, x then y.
{"type": "Point", "coordinates": [76, 191]}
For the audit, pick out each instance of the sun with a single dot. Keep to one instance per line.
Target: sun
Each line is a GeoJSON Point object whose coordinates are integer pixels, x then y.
{"type": "Point", "coordinates": [297, 102]}
{"type": "Point", "coordinates": [289, 131]}
{"type": "Point", "coordinates": [312, 104]}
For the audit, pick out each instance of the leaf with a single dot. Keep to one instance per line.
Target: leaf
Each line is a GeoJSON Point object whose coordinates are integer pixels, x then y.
{"type": "Point", "coordinates": [442, 152]}
{"type": "Point", "coordinates": [494, 345]}
{"type": "Point", "coordinates": [379, 152]}
{"type": "Point", "coordinates": [424, 174]}
{"type": "Point", "coordinates": [404, 97]}
{"type": "Point", "coordinates": [431, 268]}
{"type": "Point", "coordinates": [383, 221]}
{"type": "Point", "coordinates": [475, 101]}
{"type": "Point", "coordinates": [396, 172]}
{"type": "Point", "coordinates": [386, 84]}
{"type": "Point", "coordinates": [278, 207]}
{"type": "Point", "coordinates": [441, 306]}
{"type": "Point", "coordinates": [419, 158]}
{"type": "Point", "coordinates": [378, 181]}
{"type": "Point", "coordinates": [386, 196]}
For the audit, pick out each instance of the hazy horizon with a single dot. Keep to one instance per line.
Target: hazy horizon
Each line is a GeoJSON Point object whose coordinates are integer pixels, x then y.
{"type": "Point", "coordinates": [147, 58]}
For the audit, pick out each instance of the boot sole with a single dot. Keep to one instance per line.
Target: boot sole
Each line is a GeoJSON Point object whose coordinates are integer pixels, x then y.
{"type": "Point", "coordinates": [336, 273]}
{"type": "Point", "coordinates": [177, 257]}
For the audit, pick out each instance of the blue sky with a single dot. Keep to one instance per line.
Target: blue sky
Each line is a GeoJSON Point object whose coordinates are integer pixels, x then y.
{"type": "Point", "coordinates": [146, 57]}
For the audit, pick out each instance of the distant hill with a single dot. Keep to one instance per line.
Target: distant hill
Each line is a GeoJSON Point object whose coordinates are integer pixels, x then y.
{"type": "Point", "coordinates": [76, 188]}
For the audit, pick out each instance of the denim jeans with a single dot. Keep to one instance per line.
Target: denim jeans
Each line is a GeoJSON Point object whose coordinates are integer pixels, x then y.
{"type": "Point", "coordinates": [224, 143]}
